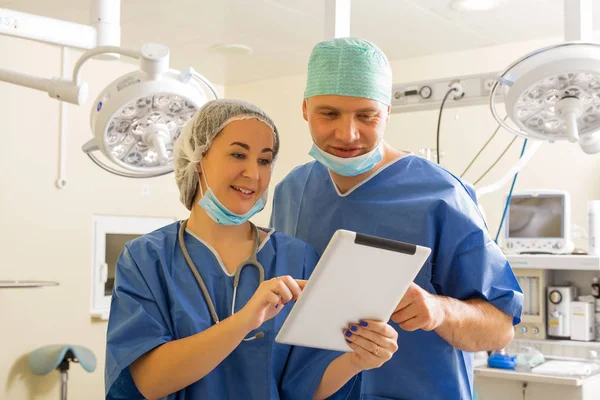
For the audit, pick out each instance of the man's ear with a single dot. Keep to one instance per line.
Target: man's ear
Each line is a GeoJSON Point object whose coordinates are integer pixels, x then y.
{"type": "Point", "coordinates": [304, 110]}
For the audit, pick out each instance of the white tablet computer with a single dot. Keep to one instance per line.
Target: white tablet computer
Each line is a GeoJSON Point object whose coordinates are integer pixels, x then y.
{"type": "Point", "coordinates": [358, 277]}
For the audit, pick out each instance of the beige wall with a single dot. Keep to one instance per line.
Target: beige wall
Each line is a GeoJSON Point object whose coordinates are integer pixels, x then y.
{"type": "Point", "coordinates": [46, 232]}
{"type": "Point", "coordinates": [463, 131]}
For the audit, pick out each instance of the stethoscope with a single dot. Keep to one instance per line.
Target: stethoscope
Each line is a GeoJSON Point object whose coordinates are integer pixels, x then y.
{"type": "Point", "coordinates": [250, 261]}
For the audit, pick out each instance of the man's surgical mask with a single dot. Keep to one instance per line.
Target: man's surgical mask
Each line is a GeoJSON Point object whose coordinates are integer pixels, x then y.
{"type": "Point", "coordinates": [348, 166]}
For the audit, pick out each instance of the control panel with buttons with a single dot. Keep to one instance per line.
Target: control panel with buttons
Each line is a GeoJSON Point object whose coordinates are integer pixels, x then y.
{"type": "Point", "coordinates": [529, 330]}
{"type": "Point", "coordinates": [551, 246]}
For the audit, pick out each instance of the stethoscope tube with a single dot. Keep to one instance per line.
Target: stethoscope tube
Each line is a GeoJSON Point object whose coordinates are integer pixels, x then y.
{"type": "Point", "coordinates": [251, 260]}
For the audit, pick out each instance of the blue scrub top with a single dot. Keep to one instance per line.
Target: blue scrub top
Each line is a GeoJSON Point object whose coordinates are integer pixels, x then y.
{"type": "Point", "coordinates": [156, 299]}
{"type": "Point", "coordinates": [415, 201]}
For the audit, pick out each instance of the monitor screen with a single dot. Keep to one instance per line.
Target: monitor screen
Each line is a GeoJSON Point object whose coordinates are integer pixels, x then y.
{"type": "Point", "coordinates": [536, 217]}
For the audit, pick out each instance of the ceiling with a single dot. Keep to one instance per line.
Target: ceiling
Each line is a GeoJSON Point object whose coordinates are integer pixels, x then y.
{"type": "Point", "coordinates": [282, 32]}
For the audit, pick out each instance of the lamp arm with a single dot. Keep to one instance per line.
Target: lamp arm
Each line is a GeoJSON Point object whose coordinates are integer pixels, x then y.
{"type": "Point", "coordinates": [104, 28]}
{"type": "Point", "coordinates": [101, 50]}
{"type": "Point", "coordinates": [74, 92]}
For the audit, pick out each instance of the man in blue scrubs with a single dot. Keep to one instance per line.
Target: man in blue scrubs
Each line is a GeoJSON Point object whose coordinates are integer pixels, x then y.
{"type": "Point", "coordinates": [466, 297]}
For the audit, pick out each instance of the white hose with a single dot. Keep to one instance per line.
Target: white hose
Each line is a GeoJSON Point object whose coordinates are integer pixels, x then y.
{"type": "Point", "coordinates": [533, 146]}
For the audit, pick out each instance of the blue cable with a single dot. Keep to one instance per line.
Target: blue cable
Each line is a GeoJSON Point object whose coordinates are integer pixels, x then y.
{"type": "Point", "coordinates": [509, 196]}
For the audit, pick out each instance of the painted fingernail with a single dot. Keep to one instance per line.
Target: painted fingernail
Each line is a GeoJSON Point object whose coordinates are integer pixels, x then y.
{"type": "Point", "coordinates": [348, 341]}
{"type": "Point", "coordinates": [277, 306]}
{"type": "Point", "coordinates": [348, 333]}
{"type": "Point", "coordinates": [364, 323]}
{"type": "Point", "coordinates": [354, 328]}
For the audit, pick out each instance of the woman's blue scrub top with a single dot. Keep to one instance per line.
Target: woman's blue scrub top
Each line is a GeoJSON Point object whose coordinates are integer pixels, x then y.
{"type": "Point", "coordinates": [156, 299]}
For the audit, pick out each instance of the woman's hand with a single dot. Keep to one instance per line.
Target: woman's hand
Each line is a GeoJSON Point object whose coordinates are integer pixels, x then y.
{"type": "Point", "coordinates": [268, 300]}
{"type": "Point", "coordinates": [373, 342]}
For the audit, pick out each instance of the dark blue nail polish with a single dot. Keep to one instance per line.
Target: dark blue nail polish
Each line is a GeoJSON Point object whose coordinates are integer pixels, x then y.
{"type": "Point", "coordinates": [277, 306]}
{"type": "Point", "coordinates": [348, 333]}
{"type": "Point", "coordinates": [354, 328]}
{"type": "Point", "coordinates": [348, 341]}
{"type": "Point", "coordinates": [364, 323]}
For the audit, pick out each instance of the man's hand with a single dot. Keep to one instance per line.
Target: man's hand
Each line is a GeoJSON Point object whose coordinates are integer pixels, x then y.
{"type": "Point", "coordinates": [419, 309]}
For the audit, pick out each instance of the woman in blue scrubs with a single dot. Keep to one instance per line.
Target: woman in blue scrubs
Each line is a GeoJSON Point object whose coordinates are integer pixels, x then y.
{"type": "Point", "coordinates": [197, 304]}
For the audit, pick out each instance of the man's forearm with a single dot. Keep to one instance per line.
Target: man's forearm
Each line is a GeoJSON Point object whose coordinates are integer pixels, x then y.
{"type": "Point", "coordinates": [474, 325]}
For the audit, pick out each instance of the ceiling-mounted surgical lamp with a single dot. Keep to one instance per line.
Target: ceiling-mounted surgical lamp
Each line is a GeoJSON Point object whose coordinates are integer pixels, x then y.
{"type": "Point", "coordinates": [550, 94]}
{"type": "Point", "coordinates": [554, 93]}
{"type": "Point", "coordinates": [137, 117]}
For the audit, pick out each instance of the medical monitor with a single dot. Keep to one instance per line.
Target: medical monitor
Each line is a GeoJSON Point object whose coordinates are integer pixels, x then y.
{"type": "Point", "coordinates": [539, 221]}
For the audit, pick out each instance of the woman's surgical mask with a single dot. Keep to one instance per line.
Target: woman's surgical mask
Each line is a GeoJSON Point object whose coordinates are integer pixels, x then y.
{"type": "Point", "coordinates": [221, 214]}
{"type": "Point", "coordinates": [351, 166]}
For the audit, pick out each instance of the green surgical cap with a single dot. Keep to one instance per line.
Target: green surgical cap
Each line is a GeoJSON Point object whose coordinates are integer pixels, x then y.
{"type": "Point", "coordinates": [349, 67]}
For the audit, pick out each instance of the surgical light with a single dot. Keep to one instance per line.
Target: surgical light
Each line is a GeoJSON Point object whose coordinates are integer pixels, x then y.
{"type": "Point", "coordinates": [554, 94]}
{"type": "Point", "coordinates": [550, 94]}
{"type": "Point", "coordinates": [137, 117]}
